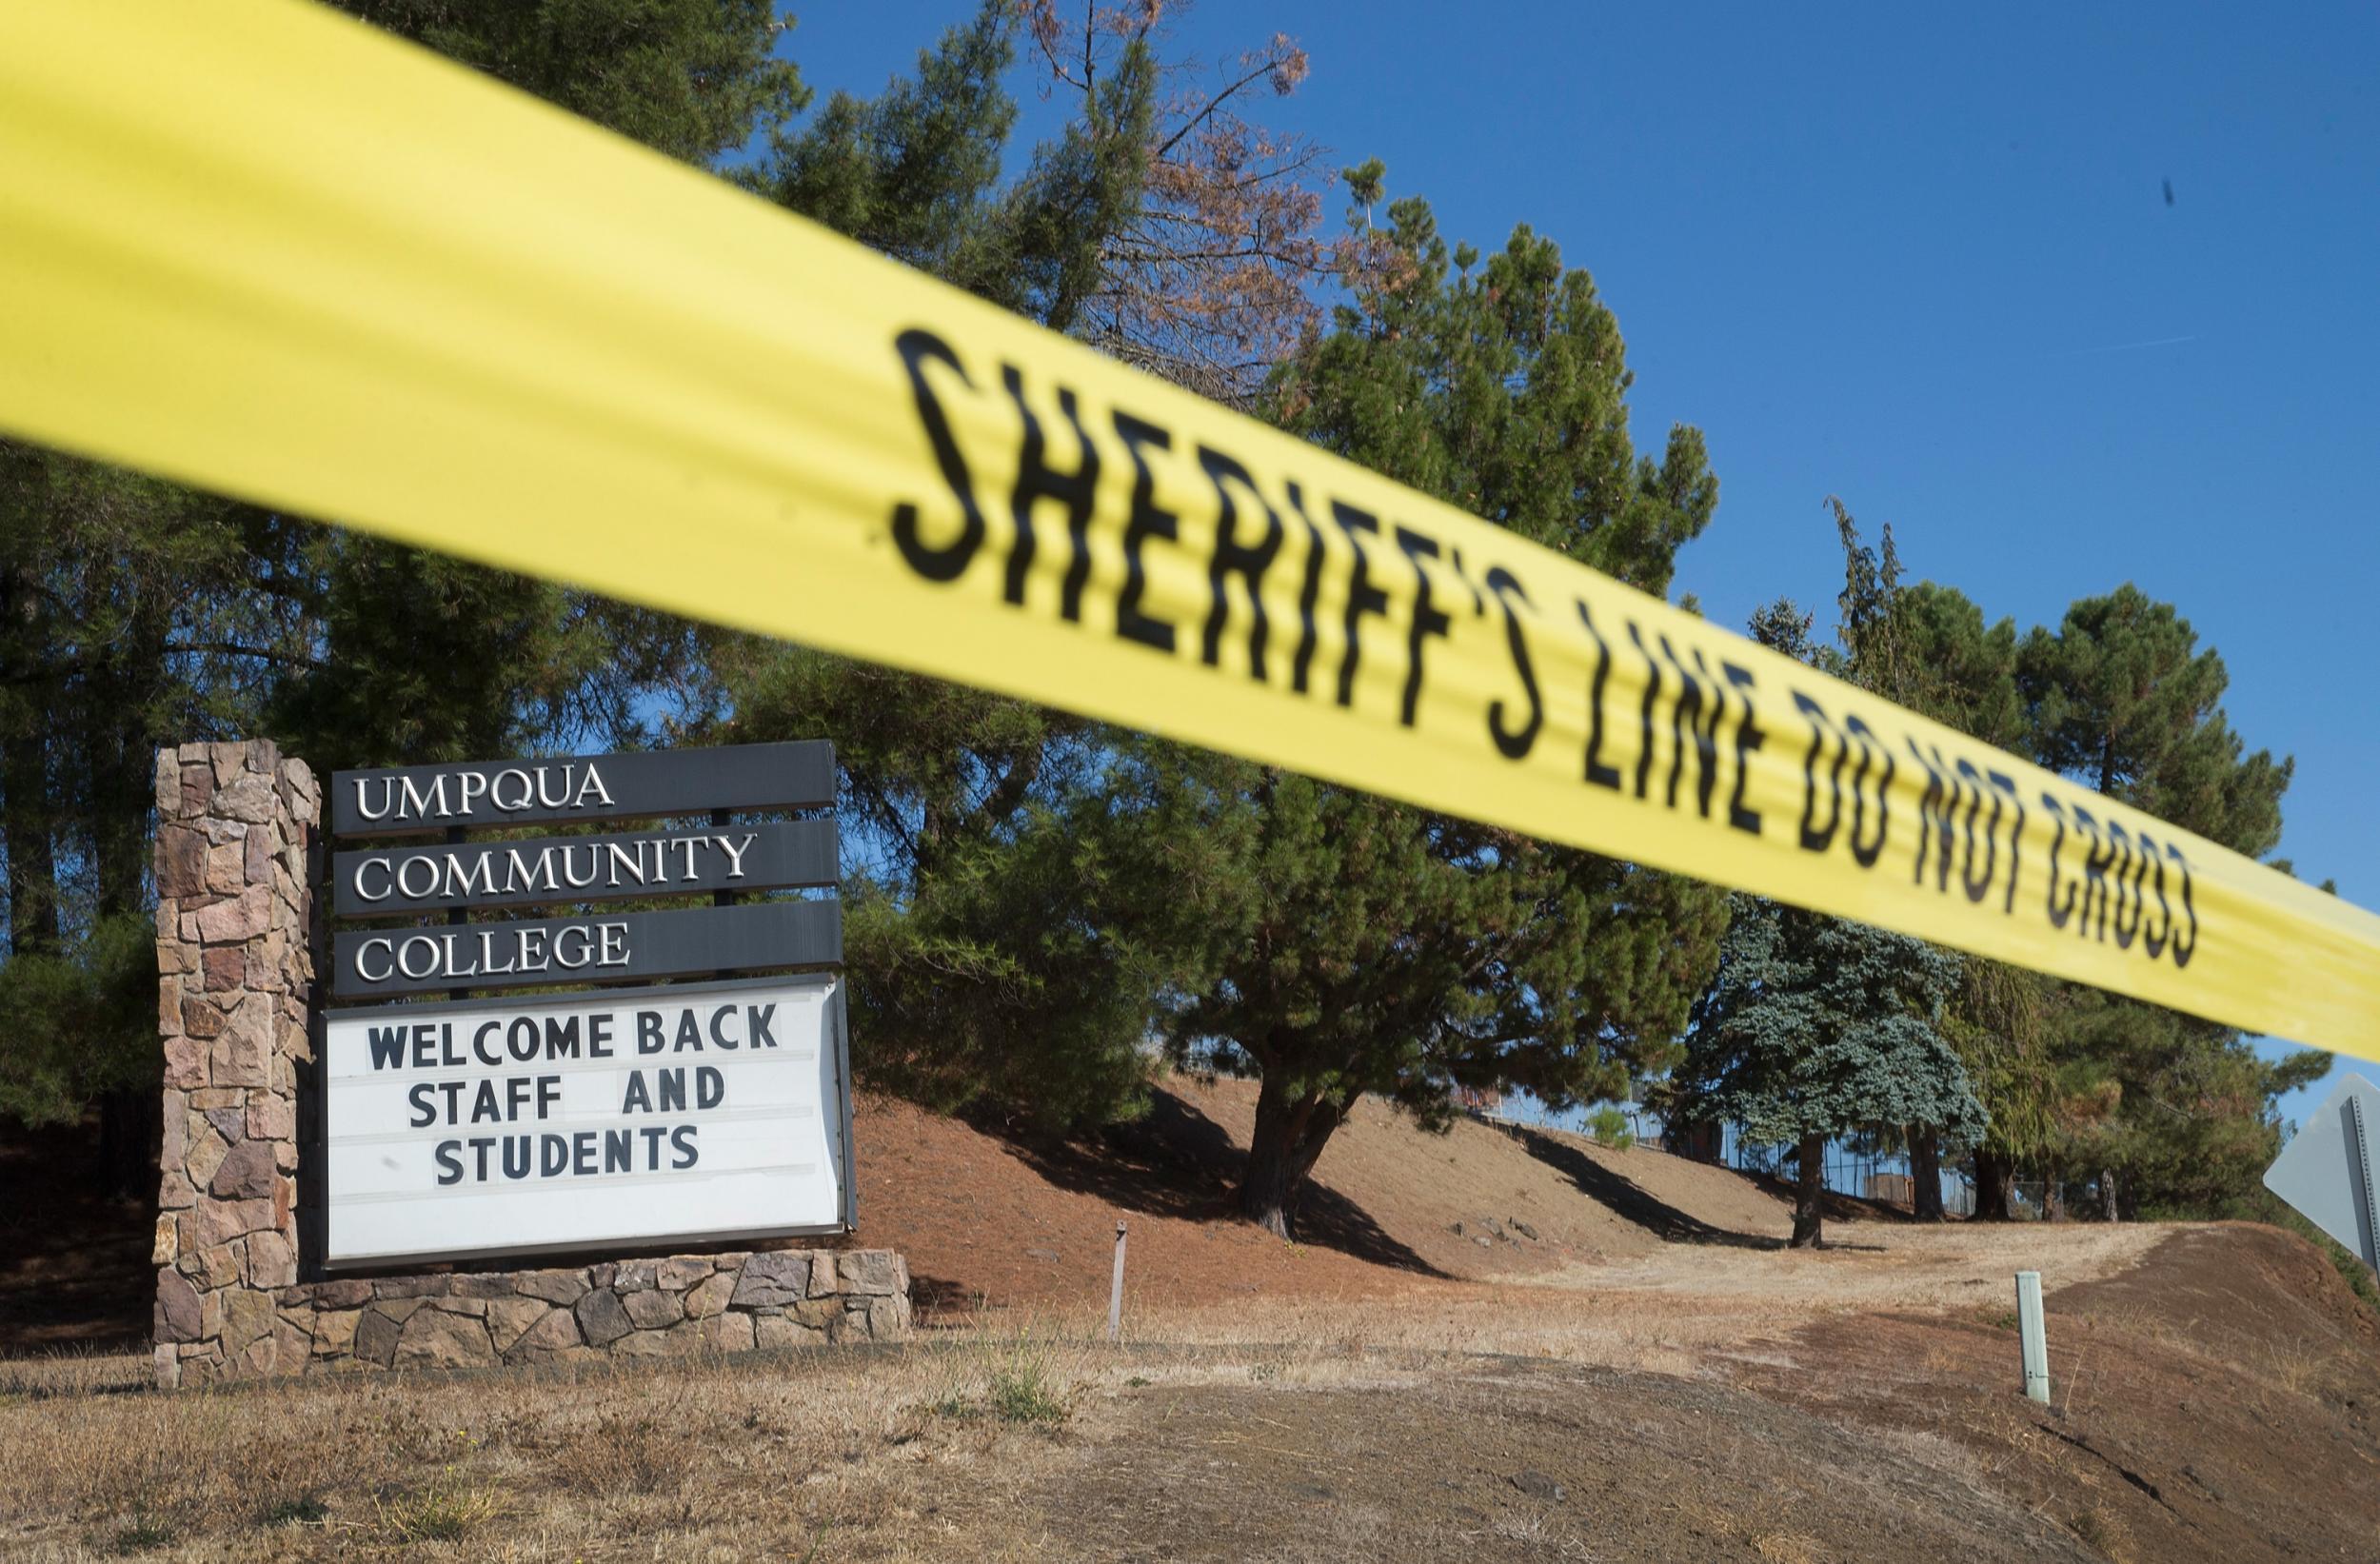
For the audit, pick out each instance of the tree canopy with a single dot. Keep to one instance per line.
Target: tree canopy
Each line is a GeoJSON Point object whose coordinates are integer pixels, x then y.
{"type": "Point", "coordinates": [1816, 1027]}
{"type": "Point", "coordinates": [1041, 908]}
{"type": "Point", "coordinates": [1369, 948]}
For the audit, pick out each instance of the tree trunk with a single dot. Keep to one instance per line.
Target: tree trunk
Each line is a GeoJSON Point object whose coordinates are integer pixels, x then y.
{"type": "Point", "coordinates": [1810, 1193]}
{"type": "Point", "coordinates": [120, 748]}
{"type": "Point", "coordinates": [128, 1130]}
{"type": "Point", "coordinates": [2107, 1194]}
{"type": "Point", "coordinates": [32, 859]}
{"type": "Point", "coordinates": [2053, 1194]}
{"type": "Point", "coordinates": [1282, 1148]}
{"type": "Point", "coordinates": [1995, 1175]}
{"type": "Point", "coordinates": [1925, 1172]}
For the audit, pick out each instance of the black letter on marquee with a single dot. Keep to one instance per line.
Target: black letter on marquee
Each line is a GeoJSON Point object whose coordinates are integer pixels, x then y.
{"type": "Point", "coordinates": [1148, 520]}
{"type": "Point", "coordinates": [916, 346]}
{"type": "Point", "coordinates": [1037, 480]}
{"type": "Point", "coordinates": [1232, 558]}
{"type": "Point", "coordinates": [1511, 746]}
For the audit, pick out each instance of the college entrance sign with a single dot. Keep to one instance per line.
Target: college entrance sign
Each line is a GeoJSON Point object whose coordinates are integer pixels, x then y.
{"type": "Point", "coordinates": [546, 1059]}
{"type": "Point", "coordinates": [706, 1112]}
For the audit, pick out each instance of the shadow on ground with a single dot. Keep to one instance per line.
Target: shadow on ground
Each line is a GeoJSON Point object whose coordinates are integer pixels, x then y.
{"type": "Point", "coordinates": [1176, 1162]}
{"type": "Point", "coordinates": [74, 1270]}
{"type": "Point", "coordinates": [1629, 1200]}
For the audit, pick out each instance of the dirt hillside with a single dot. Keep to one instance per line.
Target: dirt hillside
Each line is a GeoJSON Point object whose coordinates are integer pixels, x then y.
{"type": "Point", "coordinates": [986, 1217]}
{"type": "Point", "coordinates": [1495, 1344]}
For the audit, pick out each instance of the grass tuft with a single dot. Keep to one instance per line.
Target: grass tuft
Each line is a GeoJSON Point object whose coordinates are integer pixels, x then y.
{"type": "Point", "coordinates": [446, 1510]}
{"type": "Point", "coordinates": [1017, 1385]}
{"type": "Point", "coordinates": [306, 1510]}
{"type": "Point", "coordinates": [1022, 1392]}
{"type": "Point", "coordinates": [142, 1533]}
{"type": "Point", "coordinates": [2104, 1532]}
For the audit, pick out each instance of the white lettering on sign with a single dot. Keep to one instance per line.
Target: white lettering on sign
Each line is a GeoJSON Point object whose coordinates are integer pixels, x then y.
{"type": "Point", "coordinates": [499, 950]}
{"type": "Point", "coordinates": [557, 870]}
{"type": "Point", "coordinates": [622, 1117]}
{"type": "Point", "coordinates": [564, 784]}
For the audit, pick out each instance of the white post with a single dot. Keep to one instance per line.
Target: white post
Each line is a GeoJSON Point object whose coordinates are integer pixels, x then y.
{"type": "Point", "coordinates": [1116, 1291]}
{"type": "Point", "coordinates": [2031, 1336]}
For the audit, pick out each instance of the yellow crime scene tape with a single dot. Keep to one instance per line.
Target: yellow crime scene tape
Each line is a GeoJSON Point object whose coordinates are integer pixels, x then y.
{"type": "Point", "coordinates": [258, 247]}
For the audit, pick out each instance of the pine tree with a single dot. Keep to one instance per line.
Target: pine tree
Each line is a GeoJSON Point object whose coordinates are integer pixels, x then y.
{"type": "Point", "coordinates": [135, 613]}
{"type": "Point", "coordinates": [1373, 948]}
{"type": "Point", "coordinates": [1029, 891]}
{"type": "Point", "coordinates": [1816, 1027]}
{"type": "Point", "coordinates": [2163, 1111]}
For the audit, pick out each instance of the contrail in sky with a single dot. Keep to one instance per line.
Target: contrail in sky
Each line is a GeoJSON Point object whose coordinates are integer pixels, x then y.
{"type": "Point", "coordinates": [2123, 346]}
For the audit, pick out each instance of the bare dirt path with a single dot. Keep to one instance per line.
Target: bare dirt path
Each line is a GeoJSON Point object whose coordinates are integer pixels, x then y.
{"type": "Point", "coordinates": [2216, 1396]}
{"type": "Point", "coordinates": [1505, 1459]}
{"type": "Point", "coordinates": [2216, 1400]}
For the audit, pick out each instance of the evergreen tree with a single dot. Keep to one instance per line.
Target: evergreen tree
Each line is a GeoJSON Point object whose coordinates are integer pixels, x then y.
{"type": "Point", "coordinates": [693, 78]}
{"type": "Point", "coordinates": [1027, 888]}
{"type": "Point", "coordinates": [1816, 1027]}
{"type": "Point", "coordinates": [2163, 1111]}
{"type": "Point", "coordinates": [2120, 698]}
{"type": "Point", "coordinates": [1373, 948]}
{"type": "Point", "coordinates": [135, 613]}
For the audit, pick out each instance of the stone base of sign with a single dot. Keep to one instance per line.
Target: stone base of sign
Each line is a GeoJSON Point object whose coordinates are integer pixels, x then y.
{"type": "Point", "coordinates": [235, 826]}
{"type": "Point", "coordinates": [648, 1308]}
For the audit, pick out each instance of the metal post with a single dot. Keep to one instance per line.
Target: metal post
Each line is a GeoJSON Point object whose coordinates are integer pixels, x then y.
{"type": "Point", "coordinates": [2032, 1339]}
{"type": "Point", "coordinates": [2359, 1179]}
{"type": "Point", "coordinates": [1116, 1291]}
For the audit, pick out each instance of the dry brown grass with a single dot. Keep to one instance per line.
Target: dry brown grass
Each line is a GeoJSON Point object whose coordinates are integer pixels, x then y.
{"type": "Point", "coordinates": [871, 1454]}
{"type": "Point", "coordinates": [706, 1457]}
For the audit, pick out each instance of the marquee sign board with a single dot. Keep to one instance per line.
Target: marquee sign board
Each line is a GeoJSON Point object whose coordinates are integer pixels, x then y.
{"type": "Point", "coordinates": [482, 1126]}
{"type": "Point", "coordinates": [383, 881]}
{"type": "Point", "coordinates": [480, 795]}
{"type": "Point", "coordinates": [550, 951]}
{"type": "Point", "coordinates": [710, 1112]}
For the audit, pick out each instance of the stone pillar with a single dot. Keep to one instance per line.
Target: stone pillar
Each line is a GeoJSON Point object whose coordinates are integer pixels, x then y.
{"type": "Point", "coordinates": [235, 830]}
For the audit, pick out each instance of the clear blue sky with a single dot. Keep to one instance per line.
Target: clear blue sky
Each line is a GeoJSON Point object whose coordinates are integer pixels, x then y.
{"type": "Point", "coordinates": [1923, 258]}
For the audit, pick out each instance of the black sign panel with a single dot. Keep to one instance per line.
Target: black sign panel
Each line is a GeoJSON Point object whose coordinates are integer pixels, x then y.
{"type": "Point", "coordinates": [638, 784]}
{"type": "Point", "coordinates": [384, 880]}
{"type": "Point", "coordinates": [371, 964]}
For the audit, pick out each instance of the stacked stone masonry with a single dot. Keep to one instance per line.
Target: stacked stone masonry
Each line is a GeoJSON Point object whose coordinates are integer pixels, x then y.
{"type": "Point", "coordinates": [235, 830]}
{"type": "Point", "coordinates": [236, 827]}
{"type": "Point", "coordinates": [688, 1304]}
